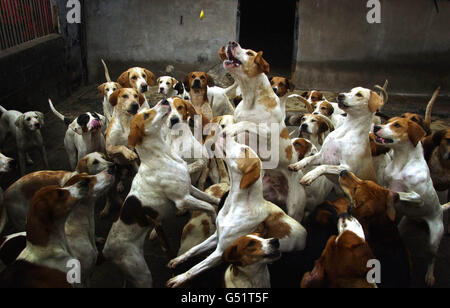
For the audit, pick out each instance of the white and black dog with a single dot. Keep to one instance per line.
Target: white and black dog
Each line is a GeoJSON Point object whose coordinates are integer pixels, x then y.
{"type": "Point", "coordinates": [84, 135]}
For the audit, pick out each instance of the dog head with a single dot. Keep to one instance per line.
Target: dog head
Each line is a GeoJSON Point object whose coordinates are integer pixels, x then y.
{"type": "Point", "coordinates": [31, 121]}
{"type": "Point", "coordinates": [281, 85]}
{"type": "Point", "coordinates": [165, 84]}
{"type": "Point", "coordinates": [418, 119]}
{"type": "Point", "coordinates": [398, 131]}
{"type": "Point", "coordinates": [93, 163]}
{"type": "Point", "coordinates": [181, 111]}
{"type": "Point", "coordinates": [108, 88]}
{"type": "Point", "coordinates": [243, 62]}
{"type": "Point", "coordinates": [198, 81]}
{"type": "Point", "coordinates": [137, 78]}
{"type": "Point", "coordinates": [89, 122]}
{"type": "Point", "coordinates": [313, 96]}
{"type": "Point", "coordinates": [313, 125]}
{"type": "Point", "coordinates": [252, 249]}
{"type": "Point", "coordinates": [360, 100]}
{"type": "Point", "coordinates": [369, 199]}
{"type": "Point", "coordinates": [148, 123]}
{"type": "Point", "coordinates": [49, 209]}
{"type": "Point", "coordinates": [6, 164]}
{"type": "Point", "coordinates": [99, 183]}
{"type": "Point", "coordinates": [127, 101]}
{"type": "Point", "coordinates": [323, 108]}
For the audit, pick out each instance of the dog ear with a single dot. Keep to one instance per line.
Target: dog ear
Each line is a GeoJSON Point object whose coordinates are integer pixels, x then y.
{"type": "Point", "coordinates": [141, 99]}
{"type": "Point", "coordinates": [305, 94]}
{"type": "Point", "coordinates": [270, 79]}
{"type": "Point", "coordinates": [124, 80]}
{"type": "Point", "coordinates": [174, 81]}
{"type": "Point", "coordinates": [323, 127]}
{"type": "Point", "coordinates": [150, 77]}
{"type": "Point", "coordinates": [157, 80]}
{"type": "Point", "coordinates": [187, 82]}
{"type": "Point", "coordinates": [179, 87]}
{"type": "Point", "coordinates": [190, 109]}
{"type": "Point", "coordinates": [210, 81]}
{"type": "Point", "coordinates": [40, 116]}
{"type": "Point", "coordinates": [114, 97]}
{"type": "Point", "coordinates": [264, 67]}
{"type": "Point", "coordinates": [102, 119]}
{"type": "Point", "coordinates": [375, 102]}
{"type": "Point", "coordinates": [295, 120]}
{"type": "Point", "coordinates": [231, 255]}
{"type": "Point", "coordinates": [20, 122]}
{"type": "Point", "coordinates": [101, 89]}
{"type": "Point", "coordinates": [222, 53]}
{"type": "Point", "coordinates": [137, 130]}
{"type": "Point", "coordinates": [415, 132]}
{"type": "Point", "coordinates": [290, 85]}
{"type": "Point", "coordinates": [302, 147]}
{"type": "Point", "coordinates": [251, 169]}
{"type": "Point", "coordinates": [392, 198]}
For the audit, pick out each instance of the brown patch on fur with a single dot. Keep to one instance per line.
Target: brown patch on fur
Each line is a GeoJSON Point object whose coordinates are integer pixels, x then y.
{"type": "Point", "coordinates": [326, 108]}
{"type": "Point", "coordinates": [187, 230]}
{"type": "Point", "coordinates": [269, 102]}
{"type": "Point", "coordinates": [302, 147]}
{"type": "Point", "coordinates": [275, 227]}
{"type": "Point", "coordinates": [184, 108]}
{"type": "Point", "coordinates": [206, 228]}
{"type": "Point", "coordinates": [31, 183]}
{"type": "Point", "coordinates": [251, 169]}
{"type": "Point", "coordinates": [289, 152]}
{"type": "Point", "coordinates": [285, 134]}
{"type": "Point", "coordinates": [284, 85]}
{"type": "Point", "coordinates": [244, 251]}
{"type": "Point", "coordinates": [404, 127]}
{"type": "Point", "coordinates": [137, 127]}
{"type": "Point", "coordinates": [375, 102]}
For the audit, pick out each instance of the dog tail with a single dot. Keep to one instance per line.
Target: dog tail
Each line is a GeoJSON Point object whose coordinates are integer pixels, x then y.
{"type": "Point", "coordinates": [304, 101]}
{"type": "Point", "coordinates": [59, 115]}
{"type": "Point", "coordinates": [427, 121]}
{"type": "Point", "coordinates": [446, 207]}
{"type": "Point", "coordinates": [108, 78]}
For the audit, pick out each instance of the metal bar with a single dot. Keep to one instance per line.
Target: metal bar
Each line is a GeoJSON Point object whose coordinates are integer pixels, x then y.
{"type": "Point", "coordinates": [30, 2]}
{"type": "Point", "coordinates": [41, 21]}
{"type": "Point", "coordinates": [46, 13]}
{"type": "Point", "coordinates": [19, 18]}
{"type": "Point", "coordinates": [23, 25]}
{"type": "Point", "coordinates": [10, 24]}
{"type": "Point", "coordinates": [4, 25]}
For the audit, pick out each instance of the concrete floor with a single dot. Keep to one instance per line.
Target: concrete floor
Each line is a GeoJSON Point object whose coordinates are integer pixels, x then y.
{"type": "Point", "coordinates": [289, 267]}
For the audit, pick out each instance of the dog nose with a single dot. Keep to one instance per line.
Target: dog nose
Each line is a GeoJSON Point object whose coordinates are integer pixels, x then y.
{"type": "Point", "coordinates": [233, 44]}
{"type": "Point", "coordinates": [376, 128]}
{"type": "Point", "coordinates": [161, 90]}
{"type": "Point", "coordinates": [304, 127]}
{"type": "Point", "coordinates": [144, 88]}
{"type": "Point", "coordinates": [344, 173]}
{"type": "Point", "coordinates": [315, 113]}
{"type": "Point", "coordinates": [275, 243]}
{"type": "Point", "coordinates": [341, 97]}
{"type": "Point", "coordinates": [135, 106]}
{"type": "Point", "coordinates": [165, 102]}
{"type": "Point", "coordinates": [37, 125]}
{"type": "Point", "coordinates": [174, 121]}
{"type": "Point", "coordinates": [275, 90]}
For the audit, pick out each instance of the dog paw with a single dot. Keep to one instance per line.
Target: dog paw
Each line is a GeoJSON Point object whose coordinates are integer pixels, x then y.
{"type": "Point", "coordinates": [295, 167]}
{"type": "Point", "coordinates": [174, 263]}
{"type": "Point", "coordinates": [176, 281]}
{"type": "Point", "coordinates": [308, 179]}
{"type": "Point", "coordinates": [130, 155]}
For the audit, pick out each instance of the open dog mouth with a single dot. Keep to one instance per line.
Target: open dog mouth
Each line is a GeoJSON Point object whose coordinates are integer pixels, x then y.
{"type": "Point", "coordinates": [274, 255]}
{"type": "Point", "coordinates": [232, 61]}
{"type": "Point", "coordinates": [342, 105]}
{"type": "Point", "coordinates": [381, 140]}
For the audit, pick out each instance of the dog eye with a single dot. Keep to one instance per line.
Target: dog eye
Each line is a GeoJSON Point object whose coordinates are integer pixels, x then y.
{"type": "Point", "coordinates": [359, 94]}
{"type": "Point", "coordinates": [114, 89]}
{"type": "Point", "coordinates": [180, 108]}
{"type": "Point", "coordinates": [324, 108]}
{"type": "Point", "coordinates": [414, 119]}
{"type": "Point", "coordinates": [281, 84]}
{"type": "Point", "coordinates": [135, 96]}
{"type": "Point", "coordinates": [144, 76]}
{"type": "Point", "coordinates": [125, 96]}
{"type": "Point", "coordinates": [193, 76]}
{"type": "Point", "coordinates": [134, 77]}
{"type": "Point", "coordinates": [28, 119]}
{"type": "Point", "coordinates": [203, 77]}
{"type": "Point", "coordinates": [107, 89]}
{"type": "Point", "coordinates": [397, 125]}
{"type": "Point", "coordinates": [95, 162]}
{"type": "Point", "coordinates": [167, 83]}
{"type": "Point", "coordinates": [251, 244]}
{"type": "Point", "coordinates": [249, 53]}
{"type": "Point", "coordinates": [313, 121]}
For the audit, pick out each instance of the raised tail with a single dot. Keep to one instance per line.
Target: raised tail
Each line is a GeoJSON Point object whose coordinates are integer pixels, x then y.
{"type": "Point", "coordinates": [427, 120]}
{"type": "Point", "coordinates": [108, 78]}
{"type": "Point", "coordinates": [230, 89]}
{"type": "Point", "coordinates": [59, 115]}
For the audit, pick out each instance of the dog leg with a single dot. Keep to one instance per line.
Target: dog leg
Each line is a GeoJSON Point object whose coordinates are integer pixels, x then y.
{"type": "Point", "coordinates": [202, 179]}
{"type": "Point", "coordinates": [195, 204]}
{"type": "Point", "coordinates": [296, 198]}
{"type": "Point", "coordinates": [209, 243]}
{"type": "Point", "coordinates": [436, 229]}
{"type": "Point", "coordinates": [212, 260]}
{"type": "Point", "coordinates": [311, 176]}
{"type": "Point", "coordinates": [315, 159]}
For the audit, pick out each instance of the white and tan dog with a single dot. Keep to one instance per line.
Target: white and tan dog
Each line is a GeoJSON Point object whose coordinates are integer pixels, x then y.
{"type": "Point", "coordinates": [162, 181]}
{"type": "Point", "coordinates": [43, 262]}
{"type": "Point", "coordinates": [106, 89]}
{"type": "Point", "coordinates": [408, 173]}
{"type": "Point", "coordinates": [244, 211]}
{"type": "Point", "coordinates": [84, 135]}
{"type": "Point", "coordinates": [169, 87]}
{"type": "Point", "coordinates": [261, 115]}
{"type": "Point", "coordinates": [26, 130]}
{"type": "Point", "coordinates": [140, 79]}
{"type": "Point", "coordinates": [18, 196]}
{"type": "Point", "coordinates": [6, 165]}
{"type": "Point", "coordinates": [249, 256]}
{"type": "Point", "coordinates": [348, 147]}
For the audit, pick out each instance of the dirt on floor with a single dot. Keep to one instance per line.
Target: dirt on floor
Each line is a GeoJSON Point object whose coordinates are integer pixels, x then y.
{"type": "Point", "coordinates": [290, 267]}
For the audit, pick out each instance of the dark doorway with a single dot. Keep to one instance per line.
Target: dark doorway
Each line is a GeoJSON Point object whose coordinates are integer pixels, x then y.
{"type": "Point", "coordinates": [269, 26]}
